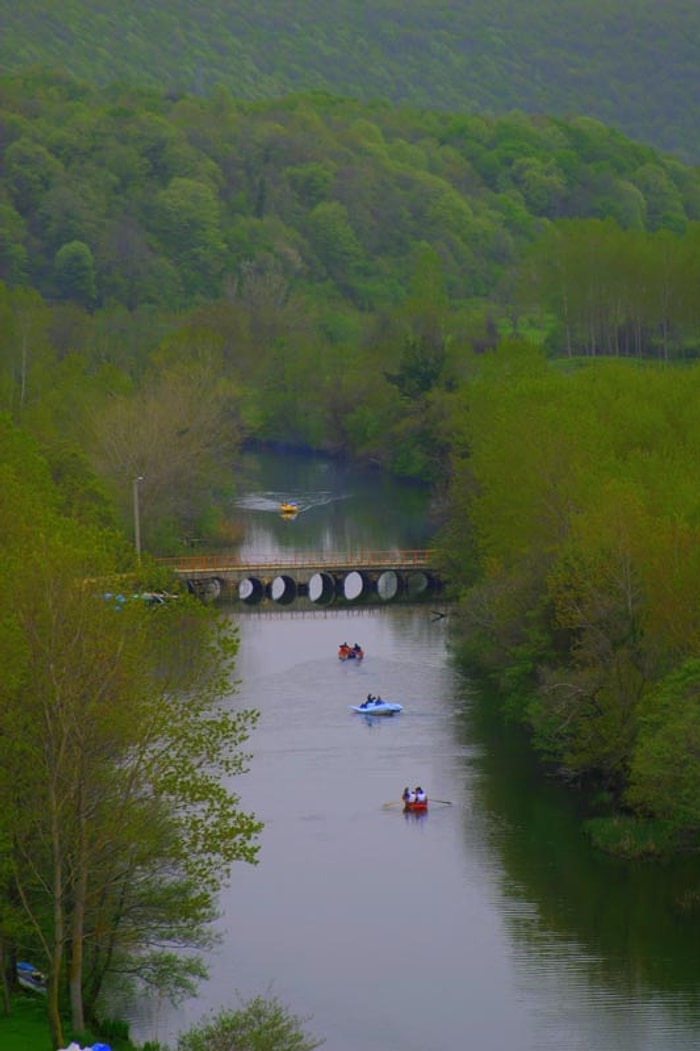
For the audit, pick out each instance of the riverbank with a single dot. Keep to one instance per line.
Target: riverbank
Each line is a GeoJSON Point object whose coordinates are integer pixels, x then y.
{"type": "Point", "coordinates": [27, 1029]}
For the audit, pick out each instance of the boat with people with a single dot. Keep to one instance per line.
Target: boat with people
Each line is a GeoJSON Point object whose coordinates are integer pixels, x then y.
{"type": "Point", "coordinates": [414, 800]}
{"type": "Point", "coordinates": [376, 706]}
{"type": "Point", "coordinates": [30, 977]}
{"type": "Point", "coordinates": [289, 508]}
{"type": "Point", "coordinates": [350, 653]}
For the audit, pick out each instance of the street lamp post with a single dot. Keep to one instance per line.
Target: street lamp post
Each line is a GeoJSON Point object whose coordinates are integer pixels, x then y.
{"type": "Point", "coordinates": [137, 517]}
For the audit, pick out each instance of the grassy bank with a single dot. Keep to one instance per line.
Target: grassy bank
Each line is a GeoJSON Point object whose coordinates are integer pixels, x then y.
{"type": "Point", "coordinates": [27, 1029]}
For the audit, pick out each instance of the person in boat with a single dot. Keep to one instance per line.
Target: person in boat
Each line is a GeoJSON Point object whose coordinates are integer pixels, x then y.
{"type": "Point", "coordinates": [357, 648]}
{"type": "Point", "coordinates": [369, 702]}
{"type": "Point", "coordinates": [406, 794]}
{"type": "Point", "coordinates": [420, 796]}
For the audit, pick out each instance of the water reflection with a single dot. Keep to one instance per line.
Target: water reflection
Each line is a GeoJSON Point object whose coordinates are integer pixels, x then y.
{"type": "Point", "coordinates": [415, 817]}
{"type": "Point", "coordinates": [613, 939]}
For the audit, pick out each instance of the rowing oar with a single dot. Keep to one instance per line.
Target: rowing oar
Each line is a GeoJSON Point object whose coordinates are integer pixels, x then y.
{"type": "Point", "coordinates": [394, 802]}
{"type": "Point", "coordinates": [447, 802]}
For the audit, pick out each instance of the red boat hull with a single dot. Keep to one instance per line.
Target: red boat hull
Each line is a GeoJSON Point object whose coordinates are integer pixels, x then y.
{"type": "Point", "coordinates": [416, 806]}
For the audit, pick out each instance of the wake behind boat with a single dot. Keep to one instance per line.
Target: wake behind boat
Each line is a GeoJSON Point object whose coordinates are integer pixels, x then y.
{"type": "Point", "coordinates": [376, 706]}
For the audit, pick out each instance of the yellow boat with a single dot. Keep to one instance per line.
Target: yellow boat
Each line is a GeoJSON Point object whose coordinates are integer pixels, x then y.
{"type": "Point", "coordinates": [289, 507]}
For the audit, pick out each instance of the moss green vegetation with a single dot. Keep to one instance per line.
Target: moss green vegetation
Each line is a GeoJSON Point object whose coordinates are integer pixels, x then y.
{"type": "Point", "coordinates": [632, 67]}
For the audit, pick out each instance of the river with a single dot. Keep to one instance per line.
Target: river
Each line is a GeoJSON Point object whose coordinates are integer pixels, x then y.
{"type": "Point", "coordinates": [487, 923]}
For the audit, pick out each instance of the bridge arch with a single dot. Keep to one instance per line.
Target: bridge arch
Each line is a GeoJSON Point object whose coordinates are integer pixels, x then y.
{"type": "Point", "coordinates": [322, 589]}
{"type": "Point", "coordinates": [356, 585]}
{"type": "Point", "coordinates": [420, 583]}
{"type": "Point", "coordinates": [251, 590]}
{"type": "Point", "coordinates": [389, 585]}
{"type": "Point", "coordinates": [284, 589]}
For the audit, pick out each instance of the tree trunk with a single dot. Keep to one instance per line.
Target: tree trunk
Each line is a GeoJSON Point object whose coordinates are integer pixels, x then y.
{"type": "Point", "coordinates": [53, 1002]}
{"type": "Point", "coordinates": [6, 1007]}
{"type": "Point", "coordinates": [78, 930]}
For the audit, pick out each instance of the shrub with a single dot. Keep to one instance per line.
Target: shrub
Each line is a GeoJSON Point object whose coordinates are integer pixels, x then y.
{"type": "Point", "coordinates": [261, 1024]}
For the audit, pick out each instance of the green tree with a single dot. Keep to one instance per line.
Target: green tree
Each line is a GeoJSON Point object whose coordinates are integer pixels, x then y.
{"type": "Point", "coordinates": [180, 431]}
{"type": "Point", "coordinates": [186, 218]}
{"type": "Point", "coordinates": [74, 269]}
{"type": "Point", "coordinates": [30, 170]}
{"type": "Point", "coordinates": [334, 241]}
{"type": "Point", "coordinates": [13, 253]}
{"type": "Point", "coordinates": [665, 771]}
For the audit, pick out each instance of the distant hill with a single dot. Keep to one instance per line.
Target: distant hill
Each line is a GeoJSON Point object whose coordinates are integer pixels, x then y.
{"type": "Point", "coordinates": [632, 64]}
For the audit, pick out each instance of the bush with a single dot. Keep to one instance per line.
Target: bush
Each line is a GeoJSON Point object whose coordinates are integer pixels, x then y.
{"type": "Point", "coordinates": [261, 1024]}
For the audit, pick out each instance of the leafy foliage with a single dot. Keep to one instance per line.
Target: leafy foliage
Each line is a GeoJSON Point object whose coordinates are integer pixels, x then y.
{"type": "Point", "coordinates": [580, 489]}
{"type": "Point", "coordinates": [118, 743]}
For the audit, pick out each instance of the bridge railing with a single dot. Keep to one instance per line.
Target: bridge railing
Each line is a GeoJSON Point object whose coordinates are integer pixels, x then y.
{"type": "Point", "coordinates": [220, 561]}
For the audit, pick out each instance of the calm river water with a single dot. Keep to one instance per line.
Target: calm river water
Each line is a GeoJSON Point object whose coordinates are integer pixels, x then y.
{"type": "Point", "coordinates": [486, 924]}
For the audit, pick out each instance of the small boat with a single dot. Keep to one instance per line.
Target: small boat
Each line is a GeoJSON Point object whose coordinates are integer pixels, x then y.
{"type": "Point", "coordinates": [415, 806]}
{"type": "Point", "coordinates": [350, 653]}
{"type": "Point", "coordinates": [30, 977]}
{"type": "Point", "coordinates": [289, 508]}
{"type": "Point", "coordinates": [377, 707]}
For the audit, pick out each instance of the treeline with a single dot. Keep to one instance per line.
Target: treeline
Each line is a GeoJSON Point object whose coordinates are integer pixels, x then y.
{"type": "Point", "coordinates": [614, 291]}
{"type": "Point", "coordinates": [580, 573]}
{"type": "Point", "coordinates": [631, 67]}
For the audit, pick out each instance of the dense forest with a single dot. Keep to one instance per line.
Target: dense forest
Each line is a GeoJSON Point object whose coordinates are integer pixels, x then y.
{"type": "Point", "coordinates": [632, 66]}
{"type": "Point", "coordinates": [199, 259]}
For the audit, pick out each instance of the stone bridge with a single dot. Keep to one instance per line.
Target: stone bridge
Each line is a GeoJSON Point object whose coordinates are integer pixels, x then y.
{"type": "Point", "coordinates": [321, 577]}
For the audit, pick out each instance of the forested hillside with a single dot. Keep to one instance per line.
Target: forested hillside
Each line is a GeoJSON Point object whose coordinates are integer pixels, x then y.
{"type": "Point", "coordinates": [133, 197]}
{"type": "Point", "coordinates": [308, 269]}
{"type": "Point", "coordinates": [632, 66]}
